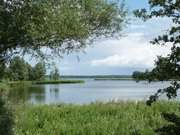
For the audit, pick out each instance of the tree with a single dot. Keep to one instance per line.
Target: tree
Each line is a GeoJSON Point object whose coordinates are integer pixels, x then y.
{"type": "Point", "coordinates": [30, 72]}
{"type": "Point", "coordinates": [54, 75]}
{"type": "Point", "coordinates": [62, 26]}
{"type": "Point", "coordinates": [20, 70]}
{"type": "Point", "coordinates": [137, 75]}
{"type": "Point", "coordinates": [17, 70]}
{"type": "Point", "coordinates": [168, 67]}
{"type": "Point", "coordinates": [39, 71]}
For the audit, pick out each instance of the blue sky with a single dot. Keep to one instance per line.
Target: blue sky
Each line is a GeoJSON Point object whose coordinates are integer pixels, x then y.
{"type": "Point", "coordinates": [136, 4]}
{"type": "Point", "coordinates": [120, 56]}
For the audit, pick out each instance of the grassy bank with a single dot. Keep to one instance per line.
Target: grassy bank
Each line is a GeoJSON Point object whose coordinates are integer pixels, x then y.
{"type": "Point", "coordinates": [15, 83]}
{"type": "Point", "coordinates": [58, 82]}
{"type": "Point", "coordinates": [95, 119]}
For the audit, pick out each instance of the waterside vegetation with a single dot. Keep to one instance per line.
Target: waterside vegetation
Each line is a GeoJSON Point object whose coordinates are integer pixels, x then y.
{"type": "Point", "coordinates": [122, 118]}
{"type": "Point", "coordinates": [58, 82]}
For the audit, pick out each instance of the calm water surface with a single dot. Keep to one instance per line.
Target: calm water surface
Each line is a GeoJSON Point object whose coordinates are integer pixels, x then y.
{"type": "Point", "coordinates": [90, 91]}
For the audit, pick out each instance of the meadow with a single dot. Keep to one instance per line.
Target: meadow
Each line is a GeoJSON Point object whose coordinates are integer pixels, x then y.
{"type": "Point", "coordinates": [122, 118]}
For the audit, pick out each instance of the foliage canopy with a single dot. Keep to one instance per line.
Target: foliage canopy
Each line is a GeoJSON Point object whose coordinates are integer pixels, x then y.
{"type": "Point", "coordinates": [62, 26]}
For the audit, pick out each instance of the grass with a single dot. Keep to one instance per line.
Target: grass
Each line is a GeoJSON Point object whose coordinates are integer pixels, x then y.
{"type": "Point", "coordinates": [17, 83]}
{"type": "Point", "coordinates": [58, 82]}
{"type": "Point", "coordinates": [124, 118]}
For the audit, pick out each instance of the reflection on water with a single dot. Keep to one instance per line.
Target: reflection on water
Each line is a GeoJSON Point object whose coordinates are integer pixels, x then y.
{"type": "Point", "coordinates": [27, 93]}
{"type": "Point", "coordinates": [88, 92]}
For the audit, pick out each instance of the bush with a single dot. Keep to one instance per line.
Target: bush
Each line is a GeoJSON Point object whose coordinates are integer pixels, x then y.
{"type": "Point", "coordinates": [6, 119]}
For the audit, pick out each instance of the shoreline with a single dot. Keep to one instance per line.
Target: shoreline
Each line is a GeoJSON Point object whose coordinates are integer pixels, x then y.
{"type": "Point", "coordinates": [58, 82]}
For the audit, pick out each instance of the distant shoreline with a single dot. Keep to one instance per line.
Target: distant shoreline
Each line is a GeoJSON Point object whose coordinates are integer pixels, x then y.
{"type": "Point", "coordinates": [96, 76]}
{"type": "Point", "coordinates": [112, 79]}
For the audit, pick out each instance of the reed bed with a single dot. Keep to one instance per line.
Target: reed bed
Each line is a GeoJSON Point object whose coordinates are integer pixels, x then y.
{"type": "Point", "coordinates": [122, 118]}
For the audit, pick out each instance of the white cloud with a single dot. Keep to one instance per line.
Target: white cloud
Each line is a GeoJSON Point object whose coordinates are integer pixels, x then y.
{"type": "Point", "coordinates": [130, 51]}
{"type": "Point", "coordinates": [120, 56]}
{"type": "Point", "coordinates": [122, 61]}
{"type": "Point", "coordinates": [137, 26]}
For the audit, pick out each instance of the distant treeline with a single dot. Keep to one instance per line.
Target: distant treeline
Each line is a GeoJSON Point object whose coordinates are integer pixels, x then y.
{"type": "Point", "coordinates": [150, 76]}
{"type": "Point", "coordinates": [96, 76]}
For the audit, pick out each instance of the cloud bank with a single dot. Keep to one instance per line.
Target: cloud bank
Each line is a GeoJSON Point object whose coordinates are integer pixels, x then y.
{"type": "Point", "coordinates": [130, 51]}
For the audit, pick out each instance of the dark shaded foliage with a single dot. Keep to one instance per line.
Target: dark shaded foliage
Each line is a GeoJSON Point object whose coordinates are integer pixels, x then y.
{"type": "Point", "coordinates": [2, 71]}
{"type": "Point", "coordinates": [6, 119]}
{"type": "Point", "coordinates": [171, 129]}
{"type": "Point", "coordinates": [139, 76]}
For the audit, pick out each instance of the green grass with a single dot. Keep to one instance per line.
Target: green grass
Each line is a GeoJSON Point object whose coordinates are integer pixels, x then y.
{"type": "Point", "coordinates": [94, 119]}
{"type": "Point", "coordinates": [58, 82]}
{"type": "Point", "coordinates": [15, 83]}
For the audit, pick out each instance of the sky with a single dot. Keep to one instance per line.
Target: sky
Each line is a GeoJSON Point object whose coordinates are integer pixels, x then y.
{"type": "Point", "coordinates": [121, 56]}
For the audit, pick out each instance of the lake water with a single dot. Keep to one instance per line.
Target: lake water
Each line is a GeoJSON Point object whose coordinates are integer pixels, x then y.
{"type": "Point", "coordinates": [90, 91]}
